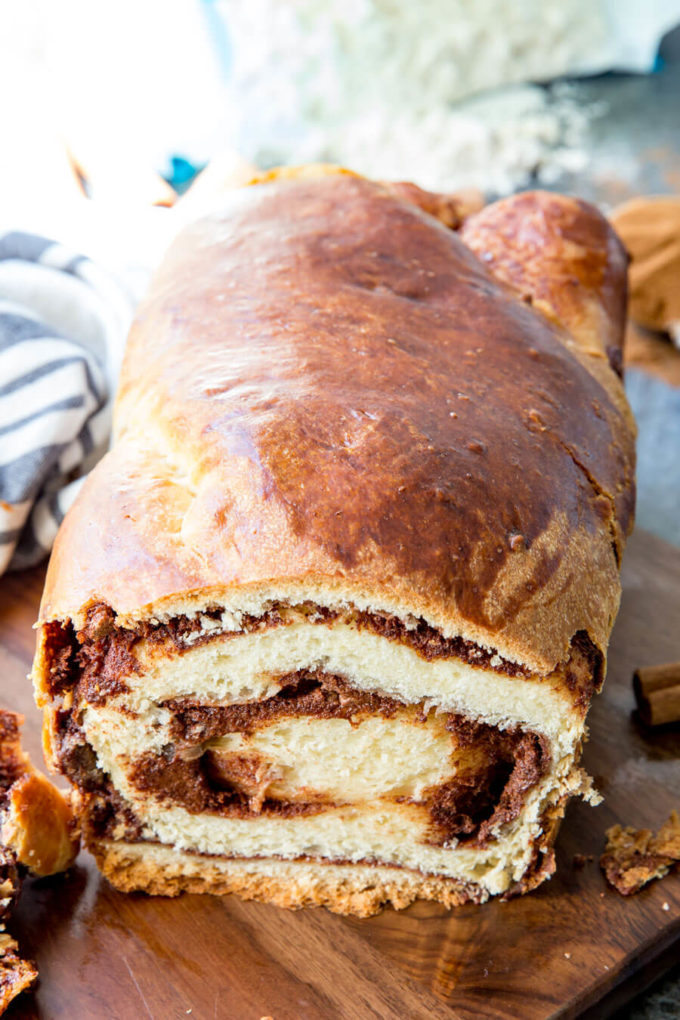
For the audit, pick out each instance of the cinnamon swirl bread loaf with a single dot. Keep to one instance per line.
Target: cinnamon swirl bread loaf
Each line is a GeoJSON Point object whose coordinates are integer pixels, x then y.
{"type": "Point", "coordinates": [324, 625]}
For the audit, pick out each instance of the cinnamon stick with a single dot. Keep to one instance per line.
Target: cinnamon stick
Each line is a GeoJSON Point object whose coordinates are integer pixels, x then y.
{"type": "Point", "coordinates": [657, 692]}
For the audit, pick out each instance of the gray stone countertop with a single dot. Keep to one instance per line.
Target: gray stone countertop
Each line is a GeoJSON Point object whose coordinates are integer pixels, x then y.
{"type": "Point", "coordinates": [633, 137]}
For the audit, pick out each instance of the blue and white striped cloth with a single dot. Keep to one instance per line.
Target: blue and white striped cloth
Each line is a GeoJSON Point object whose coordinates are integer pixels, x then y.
{"type": "Point", "coordinates": [63, 323]}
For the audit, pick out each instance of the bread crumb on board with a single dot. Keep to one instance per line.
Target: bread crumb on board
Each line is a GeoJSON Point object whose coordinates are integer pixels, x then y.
{"type": "Point", "coordinates": [634, 857]}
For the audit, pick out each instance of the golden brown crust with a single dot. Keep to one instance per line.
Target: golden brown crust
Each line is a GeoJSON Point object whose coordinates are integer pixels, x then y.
{"type": "Point", "coordinates": [37, 825]}
{"type": "Point", "coordinates": [569, 264]}
{"type": "Point", "coordinates": [326, 387]}
{"type": "Point", "coordinates": [349, 889]}
{"type": "Point", "coordinates": [561, 256]}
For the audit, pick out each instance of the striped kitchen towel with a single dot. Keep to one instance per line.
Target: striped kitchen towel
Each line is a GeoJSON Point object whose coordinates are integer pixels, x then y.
{"type": "Point", "coordinates": [63, 322]}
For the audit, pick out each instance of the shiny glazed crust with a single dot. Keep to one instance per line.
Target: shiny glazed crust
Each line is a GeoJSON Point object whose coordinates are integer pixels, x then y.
{"type": "Point", "coordinates": [331, 394]}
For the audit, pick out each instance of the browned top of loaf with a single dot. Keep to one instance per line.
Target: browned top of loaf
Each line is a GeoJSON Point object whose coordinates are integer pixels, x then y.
{"type": "Point", "coordinates": [327, 385]}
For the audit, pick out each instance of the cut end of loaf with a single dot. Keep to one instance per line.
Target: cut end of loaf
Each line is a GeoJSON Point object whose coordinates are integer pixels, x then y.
{"type": "Point", "coordinates": [210, 739]}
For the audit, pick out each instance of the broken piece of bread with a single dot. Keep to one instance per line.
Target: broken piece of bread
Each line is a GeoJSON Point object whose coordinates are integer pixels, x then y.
{"type": "Point", "coordinates": [634, 857]}
{"type": "Point", "coordinates": [38, 834]}
{"type": "Point", "coordinates": [16, 974]}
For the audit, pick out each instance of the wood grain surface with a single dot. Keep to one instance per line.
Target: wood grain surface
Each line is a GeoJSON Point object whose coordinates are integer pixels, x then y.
{"type": "Point", "coordinates": [570, 947]}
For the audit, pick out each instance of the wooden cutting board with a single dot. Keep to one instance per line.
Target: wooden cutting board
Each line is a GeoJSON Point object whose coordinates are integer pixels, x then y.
{"type": "Point", "coordinates": [572, 946]}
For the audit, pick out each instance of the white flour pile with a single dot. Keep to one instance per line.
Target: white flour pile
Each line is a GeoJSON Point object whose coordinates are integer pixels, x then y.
{"type": "Point", "coordinates": [385, 86]}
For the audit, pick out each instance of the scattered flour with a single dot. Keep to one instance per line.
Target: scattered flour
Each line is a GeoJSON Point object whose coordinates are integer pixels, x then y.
{"type": "Point", "coordinates": [398, 89]}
